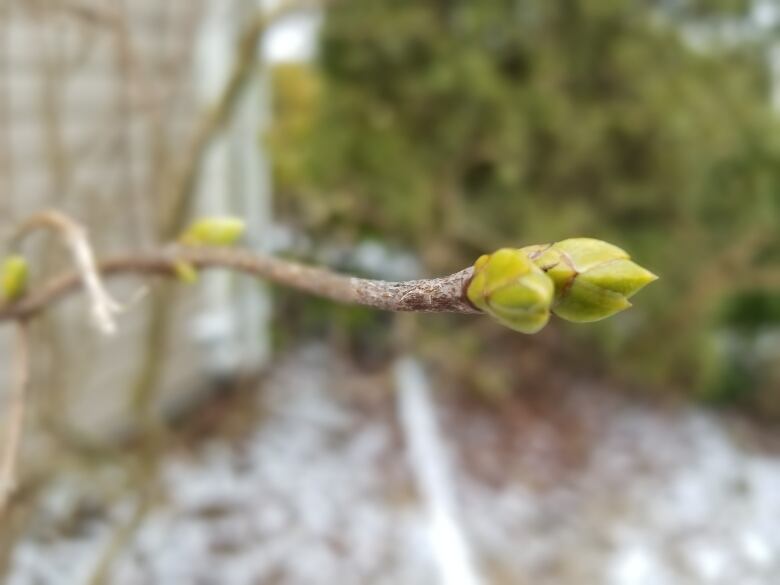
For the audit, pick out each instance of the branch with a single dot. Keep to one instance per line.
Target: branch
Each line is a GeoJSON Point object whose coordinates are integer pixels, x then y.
{"type": "Point", "coordinates": [17, 401]}
{"type": "Point", "coordinates": [436, 295]}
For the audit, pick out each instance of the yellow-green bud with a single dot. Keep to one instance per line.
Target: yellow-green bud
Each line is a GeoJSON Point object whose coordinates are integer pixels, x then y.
{"type": "Point", "coordinates": [185, 272]}
{"type": "Point", "coordinates": [13, 277]}
{"type": "Point", "coordinates": [213, 231]}
{"type": "Point", "coordinates": [593, 279]}
{"type": "Point", "coordinates": [513, 290]}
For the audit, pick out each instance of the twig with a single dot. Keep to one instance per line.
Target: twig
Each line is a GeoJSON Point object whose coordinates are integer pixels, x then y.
{"type": "Point", "coordinates": [104, 307]}
{"type": "Point", "coordinates": [17, 402]}
{"type": "Point", "coordinates": [435, 295]}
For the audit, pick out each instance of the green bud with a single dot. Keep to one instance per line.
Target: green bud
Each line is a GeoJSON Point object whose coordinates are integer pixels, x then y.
{"type": "Point", "coordinates": [593, 279]}
{"type": "Point", "coordinates": [513, 290]}
{"type": "Point", "coordinates": [213, 231]}
{"type": "Point", "coordinates": [185, 272]}
{"type": "Point", "coordinates": [13, 277]}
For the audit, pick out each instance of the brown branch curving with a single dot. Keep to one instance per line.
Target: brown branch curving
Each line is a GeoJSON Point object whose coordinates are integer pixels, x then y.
{"type": "Point", "coordinates": [434, 295]}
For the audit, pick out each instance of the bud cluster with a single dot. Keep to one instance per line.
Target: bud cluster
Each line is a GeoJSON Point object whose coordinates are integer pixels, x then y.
{"type": "Point", "coordinates": [579, 279]}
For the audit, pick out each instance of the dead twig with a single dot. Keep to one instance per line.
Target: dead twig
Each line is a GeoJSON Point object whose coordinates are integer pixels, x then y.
{"type": "Point", "coordinates": [103, 306]}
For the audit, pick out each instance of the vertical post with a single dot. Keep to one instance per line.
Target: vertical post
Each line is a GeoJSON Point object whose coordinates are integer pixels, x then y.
{"type": "Point", "coordinates": [252, 190]}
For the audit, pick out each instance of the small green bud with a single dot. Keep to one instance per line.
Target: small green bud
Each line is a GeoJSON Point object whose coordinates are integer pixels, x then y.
{"type": "Point", "coordinates": [13, 277]}
{"type": "Point", "coordinates": [185, 272]}
{"type": "Point", "coordinates": [513, 290]}
{"type": "Point", "coordinates": [213, 231]}
{"type": "Point", "coordinates": [593, 279]}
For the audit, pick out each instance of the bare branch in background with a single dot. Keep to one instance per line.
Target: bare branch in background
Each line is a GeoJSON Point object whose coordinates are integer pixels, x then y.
{"type": "Point", "coordinates": [104, 308]}
{"type": "Point", "coordinates": [17, 401]}
{"type": "Point", "coordinates": [178, 194]}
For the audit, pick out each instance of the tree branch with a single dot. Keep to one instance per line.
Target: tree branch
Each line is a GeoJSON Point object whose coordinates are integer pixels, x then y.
{"type": "Point", "coordinates": [16, 407]}
{"type": "Point", "coordinates": [435, 295]}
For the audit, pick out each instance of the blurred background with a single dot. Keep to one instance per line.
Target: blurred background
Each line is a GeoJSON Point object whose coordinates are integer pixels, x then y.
{"type": "Point", "coordinates": [240, 433]}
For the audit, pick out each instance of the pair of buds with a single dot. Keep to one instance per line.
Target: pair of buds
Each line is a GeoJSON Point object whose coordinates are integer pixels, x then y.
{"type": "Point", "coordinates": [579, 279]}
{"type": "Point", "coordinates": [206, 231]}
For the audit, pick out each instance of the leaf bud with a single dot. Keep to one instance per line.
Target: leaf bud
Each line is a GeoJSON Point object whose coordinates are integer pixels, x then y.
{"type": "Point", "coordinates": [513, 290]}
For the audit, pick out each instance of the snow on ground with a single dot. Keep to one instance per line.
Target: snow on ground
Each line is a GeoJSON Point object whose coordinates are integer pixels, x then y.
{"type": "Point", "coordinates": [611, 492]}
{"type": "Point", "coordinates": [660, 498]}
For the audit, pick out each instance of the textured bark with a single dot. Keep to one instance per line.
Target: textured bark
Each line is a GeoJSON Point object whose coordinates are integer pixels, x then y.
{"type": "Point", "coordinates": [435, 295]}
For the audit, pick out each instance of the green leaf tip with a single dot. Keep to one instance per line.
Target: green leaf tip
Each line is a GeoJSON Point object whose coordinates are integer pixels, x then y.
{"type": "Point", "coordinates": [588, 280]}
{"type": "Point", "coordinates": [13, 277]}
{"type": "Point", "coordinates": [213, 231]}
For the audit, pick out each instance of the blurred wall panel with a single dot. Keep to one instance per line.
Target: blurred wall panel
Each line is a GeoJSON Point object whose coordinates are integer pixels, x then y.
{"type": "Point", "coordinates": [99, 103]}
